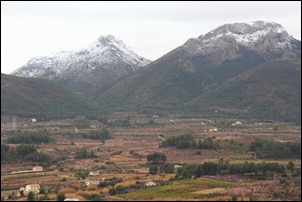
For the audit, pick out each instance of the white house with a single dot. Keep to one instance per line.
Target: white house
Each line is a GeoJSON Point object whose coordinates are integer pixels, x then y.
{"type": "Point", "coordinates": [35, 188]}
{"type": "Point", "coordinates": [91, 182]}
{"type": "Point", "coordinates": [237, 123]}
{"type": "Point", "coordinates": [94, 173]}
{"type": "Point", "coordinates": [37, 168]}
{"type": "Point", "coordinates": [213, 130]}
{"type": "Point", "coordinates": [176, 167]}
{"type": "Point", "coordinates": [71, 199]}
{"type": "Point", "coordinates": [150, 184]}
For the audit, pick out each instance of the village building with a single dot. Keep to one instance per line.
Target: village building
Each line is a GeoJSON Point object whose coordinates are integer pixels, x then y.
{"type": "Point", "coordinates": [71, 199]}
{"type": "Point", "coordinates": [176, 167]}
{"type": "Point", "coordinates": [150, 184]}
{"type": "Point", "coordinates": [237, 123]}
{"type": "Point", "coordinates": [91, 182]}
{"type": "Point", "coordinates": [94, 173]}
{"type": "Point", "coordinates": [37, 168]}
{"type": "Point", "coordinates": [35, 188]}
{"type": "Point", "coordinates": [213, 130]}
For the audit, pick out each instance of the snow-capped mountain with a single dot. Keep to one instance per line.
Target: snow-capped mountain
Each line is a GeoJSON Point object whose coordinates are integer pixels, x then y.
{"type": "Point", "coordinates": [226, 42]}
{"type": "Point", "coordinates": [99, 64]}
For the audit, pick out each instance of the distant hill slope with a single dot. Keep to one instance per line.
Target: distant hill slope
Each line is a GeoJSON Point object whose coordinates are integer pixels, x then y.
{"type": "Point", "coordinates": [31, 97]}
{"type": "Point", "coordinates": [270, 91]}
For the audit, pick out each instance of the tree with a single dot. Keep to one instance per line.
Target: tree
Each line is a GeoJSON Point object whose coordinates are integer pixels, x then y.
{"type": "Point", "coordinates": [42, 190]}
{"type": "Point", "coordinates": [30, 196]}
{"type": "Point", "coordinates": [121, 189]}
{"type": "Point", "coordinates": [112, 191]}
{"type": "Point", "coordinates": [290, 166]}
{"type": "Point", "coordinates": [156, 158]}
{"type": "Point", "coordinates": [209, 168]}
{"type": "Point", "coordinates": [167, 168]}
{"type": "Point", "coordinates": [153, 170]}
{"type": "Point", "coordinates": [61, 197]}
{"type": "Point", "coordinates": [234, 198]}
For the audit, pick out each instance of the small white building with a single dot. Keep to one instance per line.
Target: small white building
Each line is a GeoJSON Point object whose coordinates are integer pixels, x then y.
{"type": "Point", "coordinates": [237, 123]}
{"type": "Point", "coordinates": [150, 184]}
{"type": "Point", "coordinates": [91, 182]}
{"type": "Point", "coordinates": [37, 168]}
{"type": "Point", "coordinates": [71, 199]}
{"type": "Point", "coordinates": [94, 173]}
{"type": "Point", "coordinates": [213, 130]}
{"type": "Point", "coordinates": [35, 188]}
{"type": "Point", "coordinates": [176, 167]}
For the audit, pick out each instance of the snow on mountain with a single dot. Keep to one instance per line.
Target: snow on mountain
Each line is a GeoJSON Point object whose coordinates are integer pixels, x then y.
{"type": "Point", "coordinates": [227, 41]}
{"type": "Point", "coordinates": [106, 54]}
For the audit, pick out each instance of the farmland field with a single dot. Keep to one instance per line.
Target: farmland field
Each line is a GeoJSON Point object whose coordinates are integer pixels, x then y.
{"type": "Point", "coordinates": [124, 156]}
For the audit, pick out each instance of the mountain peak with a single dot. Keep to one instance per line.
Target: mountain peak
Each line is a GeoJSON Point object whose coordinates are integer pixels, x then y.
{"type": "Point", "coordinates": [226, 42]}
{"type": "Point", "coordinates": [110, 40]}
{"type": "Point", "coordinates": [98, 64]}
{"type": "Point", "coordinates": [250, 30]}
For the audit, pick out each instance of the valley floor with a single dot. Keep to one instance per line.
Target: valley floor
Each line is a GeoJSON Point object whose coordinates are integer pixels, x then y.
{"type": "Point", "coordinates": [124, 156]}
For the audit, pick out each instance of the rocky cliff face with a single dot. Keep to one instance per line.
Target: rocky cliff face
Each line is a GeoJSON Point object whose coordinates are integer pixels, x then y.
{"type": "Point", "coordinates": [95, 66]}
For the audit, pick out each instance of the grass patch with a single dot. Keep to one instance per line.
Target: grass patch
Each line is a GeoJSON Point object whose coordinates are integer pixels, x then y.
{"type": "Point", "coordinates": [183, 189]}
{"type": "Point", "coordinates": [206, 182]}
{"type": "Point", "coordinates": [168, 191]}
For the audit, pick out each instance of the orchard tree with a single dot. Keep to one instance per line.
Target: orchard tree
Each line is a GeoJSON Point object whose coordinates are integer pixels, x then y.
{"type": "Point", "coordinates": [30, 196]}
{"type": "Point", "coordinates": [153, 170]}
{"type": "Point", "coordinates": [61, 197]}
{"type": "Point", "coordinates": [156, 158]}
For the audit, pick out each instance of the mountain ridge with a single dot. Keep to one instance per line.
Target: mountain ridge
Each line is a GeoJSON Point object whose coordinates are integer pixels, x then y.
{"type": "Point", "coordinates": [197, 67]}
{"type": "Point", "coordinates": [201, 70]}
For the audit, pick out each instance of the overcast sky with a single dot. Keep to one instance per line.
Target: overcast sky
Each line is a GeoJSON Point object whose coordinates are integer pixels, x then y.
{"type": "Point", "coordinates": [151, 29]}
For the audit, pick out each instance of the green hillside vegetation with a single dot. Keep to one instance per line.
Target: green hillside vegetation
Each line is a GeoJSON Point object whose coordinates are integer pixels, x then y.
{"type": "Point", "coordinates": [188, 141]}
{"type": "Point", "coordinates": [247, 87]}
{"type": "Point", "coordinates": [30, 97]}
{"type": "Point", "coordinates": [209, 168]}
{"type": "Point", "coordinates": [171, 81]}
{"type": "Point", "coordinates": [271, 91]}
{"type": "Point", "coordinates": [32, 137]}
{"type": "Point", "coordinates": [266, 149]}
{"type": "Point", "coordinates": [24, 152]}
